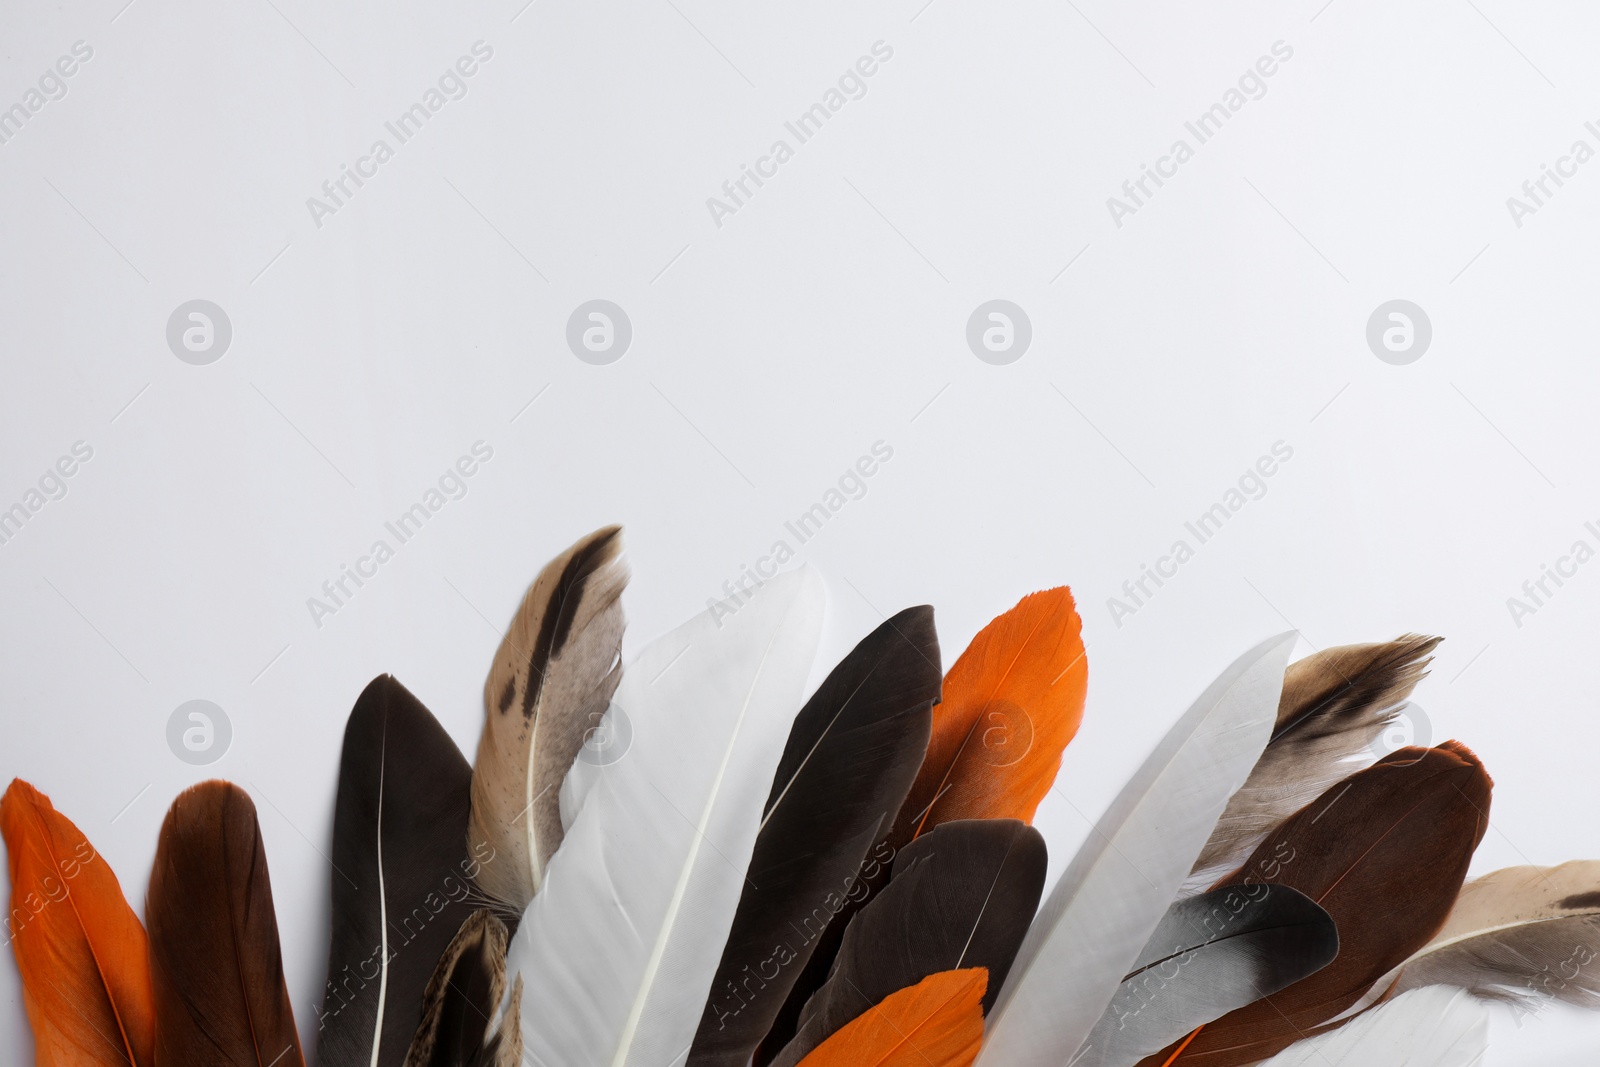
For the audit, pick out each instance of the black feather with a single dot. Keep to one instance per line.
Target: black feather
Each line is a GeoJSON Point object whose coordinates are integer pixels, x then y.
{"type": "Point", "coordinates": [398, 894]}
{"type": "Point", "coordinates": [851, 757]}
{"type": "Point", "coordinates": [961, 896]}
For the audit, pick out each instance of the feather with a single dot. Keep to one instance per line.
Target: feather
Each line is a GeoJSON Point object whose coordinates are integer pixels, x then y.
{"type": "Point", "coordinates": [1211, 954]}
{"type": "Point", "coordinates": [1335, 704]}
{"type": "Point", "coordinates": [80, 948]}
{"type": "Point", "coordinates": [961, 896]}
{"type": "Point", "coordinates": [1402, 830]}
{"type": "Point", "coordinates": [401, 871]}
{"type": "Point", "coordinates": [936, 1023]}
{"type": "Point", "coordinates": [618, 949]}
{"type": "Point", "coordinates": [1516, 934]}
{"type": "Point", "coordinates": [1113, 894]}
{"type": "Point", "coordinates": [850, 757]}
{"type": "Point", "coordinates": [1433, 1027]}
{"type": "Point", "coordinates": [214, 959]}
{"type": "Point", "coordinates": [459, 1004]}
{"type": "Point", "coordinates": [1010, 705]}
{"type": "Point", "coordinates": [552, 679]}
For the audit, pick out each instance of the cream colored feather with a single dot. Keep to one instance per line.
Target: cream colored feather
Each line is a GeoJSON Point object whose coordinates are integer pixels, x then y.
{"type": "Point", "coordinates": [551, 682]}
{"type": "Point", "coordinates": [1519, 933]}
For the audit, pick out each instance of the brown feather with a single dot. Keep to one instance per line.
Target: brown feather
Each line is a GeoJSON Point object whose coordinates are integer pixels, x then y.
{"type": "Point", "coordinates": [215, 964]}
{"type": "Point", "coordinates": [1384, 853]}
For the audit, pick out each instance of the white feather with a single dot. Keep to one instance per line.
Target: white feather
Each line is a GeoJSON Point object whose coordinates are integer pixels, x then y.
{"type": "Point", "coordinates": [1118, 887]}
{"type": "Point", "coordinates": [618, 949]}
{"type": "Point", "coordinates": [1434, 1026]}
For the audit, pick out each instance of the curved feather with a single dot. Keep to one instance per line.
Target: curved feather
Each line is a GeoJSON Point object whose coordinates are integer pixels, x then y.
{"type": "Point", "coordinates": [552, 679]}
{"type": "Point", "coordinates": [1432, 1027]}
{"type": "Point", "coordinates": [1111, 897]}
{"type": "Point", "coordinates": [618, 949]}
{"type": "Point", "coordinates": [1210, 954]}
{"type": "Point", "coordinates": [1390, 843]}
{"type": "Point", "coordinates": [961, 896]}
{"type": "Point", "coordinates": [215, 964]}
{"type": "Point", "coordinates": [1335, 704]}
{"type": "Point", "coordinates": [1010, 705]}
{"type": "Point", "coordinates": [846, 767]}
{"type": "Point", "coordinates": [80, 948]}
{"type": "Point", "coordinates": [400, 853]}
{"type": "Point", "coordinates": [1517, 934]}
{"type": "Point", "coordinates": [936, 1023]}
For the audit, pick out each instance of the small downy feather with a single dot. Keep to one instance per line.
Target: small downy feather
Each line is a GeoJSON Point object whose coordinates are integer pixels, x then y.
{"type": "Point", "coordinates": [400, 868]}
{"type": "Point", "coordinates": [1115, 891]}
{"type": "Point", "coordinates": [960, 897]}
{"type": "Point", "coordinates": [1432, 1027]}
{"type": "Point", "coordinates": [1010, 705]}
{"type": "Point", "coordinates": [851, 755]}
{"type": "Point", "coordinates": [1518, 934]}
{"type": "Point", "coordinates": [80, 948]}
{"type": "Point", "coordinates": [552, 680]}
{"type": "Point", "coordinates": [936, 1023]}
{"type": "Point", "coordinates": [1211, 954]}
{"type": "Point", "coordinates": [618, 948]}
{"type": "Point", "coordinates": [1390, 843]}
{"type": "Point", "coordinates": [1335, 704]}
{"type": "Point", "coordinates": [459, 1005]}
{"type": "Point", "coordinates": [214, 958]}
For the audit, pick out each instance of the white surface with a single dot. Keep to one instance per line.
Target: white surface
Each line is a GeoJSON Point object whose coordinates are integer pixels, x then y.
{"type": "Point", "coordinates": [791, 339]}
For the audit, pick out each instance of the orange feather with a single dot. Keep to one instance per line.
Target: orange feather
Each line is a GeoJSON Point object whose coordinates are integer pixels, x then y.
{"type": "Point", "coordinates": [80, 948]}
{"type": "Point", "coordinates": [936, 1023]}
{"type": "Point", "coordinates": [1011, 703]}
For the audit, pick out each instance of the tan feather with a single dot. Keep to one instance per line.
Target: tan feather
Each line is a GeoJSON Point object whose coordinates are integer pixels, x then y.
{"type": "Point", "coordinates": [1335, 703]}
{"type": "Point", "coordinates": [1517, 934]}
{"type": "Point", "coordinates": [551, 682]}
{"type": "Point", "coordinates": [461, 998]}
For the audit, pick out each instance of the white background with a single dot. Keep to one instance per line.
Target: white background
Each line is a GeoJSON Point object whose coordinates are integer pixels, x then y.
{"type": "Point", "coordinates": [768, 354]}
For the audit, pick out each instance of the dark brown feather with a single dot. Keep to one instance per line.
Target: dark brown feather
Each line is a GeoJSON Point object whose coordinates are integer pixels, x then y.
{"type": "Point", "coordinates": [1384, 853]}
{"type": "Point", "coordinates": [214, 958]}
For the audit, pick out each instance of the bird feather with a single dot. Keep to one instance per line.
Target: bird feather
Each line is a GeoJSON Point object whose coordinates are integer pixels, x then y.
{"type": "Point", "coordinates": [215, 963]}
{"type": "Point", "coordinates": [850, 758]}
{"type": "Point", "coordinates": [81, 951]}
{"type": "Point", "coordinates": [1431, 1027]}
{"type": "Point", "coordinates": [1113, 894]}
{"type": "Point", "coordinates": [936, 1023]}
{"type": "Point", "coordinates": [618, 949]}
{"type": "Point", "coordinates": [400, 874]}
{"type": "Point", "coordinates": [552, 679]}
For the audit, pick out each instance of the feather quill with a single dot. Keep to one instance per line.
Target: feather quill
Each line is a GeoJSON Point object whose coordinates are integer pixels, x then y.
{"type": "Point", "coordinates": [1518, 934]}
{"type": "Point", "coordinates": [1113, 894]}
{"type": "Point", "coordinates": [618, 949]}
{"type": "Point", "coordinates": [79, 947]}
{"type": "Point", "coordinates": [848, 763]}
{"type": "Point", "coordinates": [1432, 1027]}
{"type": "Point", "coordinates": [1010, 705]}
{"type": "Point", "coordinates": [402, 870]}
{"type": "Point", "coordinates": [961, 896]}
{"type": "Point", "coordinates": [936, 1023]}
{"type": "Point", "coordinates": [552, 679]}
{"type": "Point", "coordinates": [458, 1007]}
{"type": "Point", "coordinates": [1335, 704]}
{"type": "Point", "coordinates": [215, 964]}
{"type": "Point", "coordinates": [1210, 954]}
{"type": "Point", "coordinates": [1404, 829]}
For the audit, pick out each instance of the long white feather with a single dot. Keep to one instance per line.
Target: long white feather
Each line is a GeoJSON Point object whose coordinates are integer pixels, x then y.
{"type": "Point", "coordinates": [618, 949]}
{"type": "Point", "coordinates": [1118, 887]}
{"type": "Point", "coordinates": [1435, 1026]}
